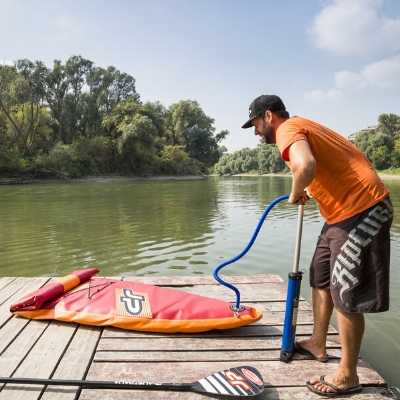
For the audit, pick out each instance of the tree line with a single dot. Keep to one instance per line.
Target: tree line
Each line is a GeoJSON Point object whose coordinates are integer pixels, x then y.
{"type": "Point", "coordinates": [265, 158]}
{"type": "Point", "coordinates": [380, 144]}
{"type": "Point", "coordinates": [75, 119]}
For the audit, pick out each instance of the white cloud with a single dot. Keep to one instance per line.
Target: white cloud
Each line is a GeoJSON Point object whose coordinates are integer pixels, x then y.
{"type": "Point", "coordinates": [322, 95]}
{"type": "Point", "coordinates": [356, 27]}
{"type": "Point", "coordinates": [349, 80]}
{"type": "Point", "coordinates": [384, 73]}
{"type": "Point", "coordinates": [381, 74]}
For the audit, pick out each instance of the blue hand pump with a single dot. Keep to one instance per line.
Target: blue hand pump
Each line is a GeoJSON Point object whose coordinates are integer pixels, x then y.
{"type": "Point", "coordinates": [292, 297]}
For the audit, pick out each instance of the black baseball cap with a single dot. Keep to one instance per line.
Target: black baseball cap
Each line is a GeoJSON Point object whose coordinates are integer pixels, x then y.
{"type": "Point", "coordinates": [261, 104]}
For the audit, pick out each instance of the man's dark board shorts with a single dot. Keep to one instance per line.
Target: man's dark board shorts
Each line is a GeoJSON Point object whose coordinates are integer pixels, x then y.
{"type": "Point", "coordinates": [352, 259]}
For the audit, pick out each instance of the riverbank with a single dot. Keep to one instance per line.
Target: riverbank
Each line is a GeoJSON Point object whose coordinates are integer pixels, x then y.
{"type": "Point", "coordinates": [282, 174]}
{"type": "Point", "coordinates": [107, 178]}
{"type": "Point", "coordinates": [382, 175]}
{"type": "Point", "coordinates": [389, 176]}
{"type": "Point", "coordinates": [21, 180]}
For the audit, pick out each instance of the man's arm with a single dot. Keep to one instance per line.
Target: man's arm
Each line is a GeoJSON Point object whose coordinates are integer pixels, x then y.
{"type": "Point", "coordinates": [302, 165]}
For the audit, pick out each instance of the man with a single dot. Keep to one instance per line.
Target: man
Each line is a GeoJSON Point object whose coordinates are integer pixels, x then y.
{"type": "Point", "coordinates": [350, 267]}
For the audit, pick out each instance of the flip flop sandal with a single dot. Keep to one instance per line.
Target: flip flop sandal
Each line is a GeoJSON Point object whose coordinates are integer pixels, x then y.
{"type": "Point", "coordinates": [337, 391]}
{"type": "Point", "coordinates": [305, 352]}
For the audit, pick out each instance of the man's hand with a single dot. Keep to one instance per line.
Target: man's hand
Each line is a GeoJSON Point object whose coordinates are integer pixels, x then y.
{"type": "Point", "coordinates": [298, 198]}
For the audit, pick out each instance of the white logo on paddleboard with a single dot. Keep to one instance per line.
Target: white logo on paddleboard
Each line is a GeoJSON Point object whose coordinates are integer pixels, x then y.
{"type": "Point", "coordinates": [133, 302]}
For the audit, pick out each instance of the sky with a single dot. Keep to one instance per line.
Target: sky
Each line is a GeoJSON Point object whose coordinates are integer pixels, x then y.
{"type": "Point", "coordinates": [333, 61]}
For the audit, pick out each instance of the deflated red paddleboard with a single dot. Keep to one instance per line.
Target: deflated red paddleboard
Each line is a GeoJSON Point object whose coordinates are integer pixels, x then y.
{"type": "Point", "coordinates": [136, 306]}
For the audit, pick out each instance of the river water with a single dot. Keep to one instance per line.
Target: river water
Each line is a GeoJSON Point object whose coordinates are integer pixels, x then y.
{"type": "Point", "coordinates": [129, 227]}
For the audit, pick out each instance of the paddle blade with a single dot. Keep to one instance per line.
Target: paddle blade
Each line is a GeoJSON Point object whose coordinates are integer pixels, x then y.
{"type": "Point", "coordinates": [240, 382]}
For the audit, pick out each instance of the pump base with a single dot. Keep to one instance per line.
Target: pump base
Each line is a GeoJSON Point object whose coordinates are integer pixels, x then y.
{"type": "Point", "coordinates": [286, 356]}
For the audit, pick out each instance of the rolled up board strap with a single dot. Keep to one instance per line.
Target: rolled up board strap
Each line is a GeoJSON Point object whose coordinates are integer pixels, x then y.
{"type": "Point", "coordinates": [53, 290]}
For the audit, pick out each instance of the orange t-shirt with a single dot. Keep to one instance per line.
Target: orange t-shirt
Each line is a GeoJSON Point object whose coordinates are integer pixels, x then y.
{"type": "Point", "coordinates": [345, 182]}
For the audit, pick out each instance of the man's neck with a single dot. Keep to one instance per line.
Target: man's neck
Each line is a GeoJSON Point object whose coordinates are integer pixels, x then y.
{"type": "Point", "coordinates": [278, 122]}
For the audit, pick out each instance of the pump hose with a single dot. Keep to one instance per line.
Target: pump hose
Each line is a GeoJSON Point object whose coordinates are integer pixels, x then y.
{"type": "Point", "coordinates": [216, 271]}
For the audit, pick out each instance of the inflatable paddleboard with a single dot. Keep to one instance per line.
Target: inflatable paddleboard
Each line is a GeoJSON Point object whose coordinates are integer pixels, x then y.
{"type": "Point", "coordinates": [82, 298]}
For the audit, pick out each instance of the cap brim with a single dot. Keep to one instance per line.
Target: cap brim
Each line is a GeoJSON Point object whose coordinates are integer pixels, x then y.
{"type": "Point", "coordinates": [248, 124]}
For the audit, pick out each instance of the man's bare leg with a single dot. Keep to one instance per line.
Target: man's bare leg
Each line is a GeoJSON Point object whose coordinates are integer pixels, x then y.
{"type": "Point", "coordinates": [322, 311]}
{"type": "Point", "coordinates": [351, 329]}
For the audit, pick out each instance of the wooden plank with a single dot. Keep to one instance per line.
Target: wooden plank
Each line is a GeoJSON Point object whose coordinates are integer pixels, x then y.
{"type": "Point", "coordinates": [6, 280]}
{"type": "Point", "coordinates": [277, 316]}
{"type": "Point", "coordinates": [304, 317]}
{"type": "Point", "coordinates": [248, 292]}
{"type": "Point", "coordinates": [172, 281]}
{"type": "Point", "coordinates": [247, 331]}
{"type": "Point", "coordinates": [189, 356]}
{"type": "Point", "coordinates": [302, 393]}
{"type": "Point", "coordinates": [13, 325]}
{"type": "Point", "coordinates": [11, 330]}
{"type": "Point", "coordinates": [275, 373]}
{"type": "Point", "coordinates": [41, 361]}
{"type": "Point", "coordinates": [198, 344]}
{"type": "Point", "coordinates": [279, 393]}
{"type": "Point", "coordinates": [14, 287]}
{"type": "Point", "coordinates": [74, 363]}
{"type": "Point", "coordinates": [13, 355]}
{"type": "Point", "coordinates": [15, 290]}
{"type": "Point", "coordinates": [274, 306]}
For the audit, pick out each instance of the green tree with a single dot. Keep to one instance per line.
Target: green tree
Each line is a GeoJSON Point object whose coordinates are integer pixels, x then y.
{"type": "Point", "coordinates": [189, 126]}
{"type": "Point", "coordinates": [264, 159]}
{"type": "Point", "coordinates": [137, 144]}
{"type": "Point", "coordinates": [75, 118]}
{"type": "Point", "coordinates": [108, 87]}
{"type": "Point", "coordinates": [21, 101]}
{"type": "Point", "coordinates": [380, 143]}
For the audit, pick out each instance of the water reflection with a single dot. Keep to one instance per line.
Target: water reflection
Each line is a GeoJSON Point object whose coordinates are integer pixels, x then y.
{"type": "Point", "coordinates": [122, 227]}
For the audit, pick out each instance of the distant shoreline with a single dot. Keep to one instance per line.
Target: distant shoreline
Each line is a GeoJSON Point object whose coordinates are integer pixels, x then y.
{"type": "Point", "coordinates": [389, 176]}
{"type": "Point", "coordinates": [109, 178]}
{"type": "Point", "coordinates": [383, 175]}
{"type": "Point", "coordinates": [281, 174]}
{"type": "Point", "coordinates": [99, 179]}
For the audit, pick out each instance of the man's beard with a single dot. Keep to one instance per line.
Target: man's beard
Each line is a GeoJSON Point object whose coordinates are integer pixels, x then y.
{"type": "Point", "coordinates": [269, 136]}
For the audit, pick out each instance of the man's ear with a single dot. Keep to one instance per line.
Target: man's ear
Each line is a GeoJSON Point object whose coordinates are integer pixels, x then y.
{"type": "Point", "coordinates": [268, 116]}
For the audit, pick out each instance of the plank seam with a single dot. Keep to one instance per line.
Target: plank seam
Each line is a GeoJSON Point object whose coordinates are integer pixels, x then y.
{"type": "Point", "coordinates": [59, 361]}
{"type": "Point", "coordinates": [26, 282]}
{"type": "Point", "coordinates": [199, 351]}
{"type": "Point", "coordinates": [16, 336]}
{"type": "Point", "coordinates": [19, 289]}
{"type": "Point", "coordinates": [6, 321]}
{"type": "Point", "coordinates": [7, 283]}
{"type": "Point", "coordinates": [190, 285]}
{"type": "Point", "coordinates": [20, 331]}
{"type": "Point", "coordinates": [196, 360]}
{"type": "Point", "coordinates": [79, 391]}
{"type": "Point", "coordinates": [26, 355]}
{"type": "Point", "coordinates": [211, 360]}
{"type": "Point", "coordinates": [211, 336]}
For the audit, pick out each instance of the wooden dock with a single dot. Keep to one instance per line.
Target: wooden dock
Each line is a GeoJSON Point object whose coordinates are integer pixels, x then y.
{"type": "Point", "coordinates": [43, 349]}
